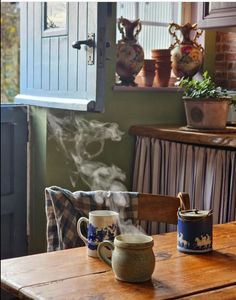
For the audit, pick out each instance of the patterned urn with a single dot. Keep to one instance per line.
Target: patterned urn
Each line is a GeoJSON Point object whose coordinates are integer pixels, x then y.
{"type": "Point", "coordinates": [187, 55]}
{"type": "Point", "coordinates": [130, 55]}
{"type": "Point", "coordinates": [194, 231]}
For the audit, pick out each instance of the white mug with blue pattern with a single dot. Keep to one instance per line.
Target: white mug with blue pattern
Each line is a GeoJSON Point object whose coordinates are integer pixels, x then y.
{"type": "Point", "coordinates": [102, 225]}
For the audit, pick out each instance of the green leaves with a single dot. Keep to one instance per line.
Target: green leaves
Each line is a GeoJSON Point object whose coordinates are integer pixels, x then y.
{"type": "Point", "coordinates": [202, 89]}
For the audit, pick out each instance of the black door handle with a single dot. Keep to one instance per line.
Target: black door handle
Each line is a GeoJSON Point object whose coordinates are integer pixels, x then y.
{"type": "Point", "coordinates": [77, 45]}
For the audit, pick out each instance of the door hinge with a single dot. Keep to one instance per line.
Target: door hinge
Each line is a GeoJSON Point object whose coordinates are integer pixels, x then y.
{"type": "Point", "coordinates": [28, 131]}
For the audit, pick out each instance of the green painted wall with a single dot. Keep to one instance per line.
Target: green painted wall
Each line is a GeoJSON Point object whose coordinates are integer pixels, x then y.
{"type": "Point", "coordinates": [209, 61]}
{"type": "Point", "coordinates": [37, 178]}
{"type": "Point", "coordinates": [51, 167]}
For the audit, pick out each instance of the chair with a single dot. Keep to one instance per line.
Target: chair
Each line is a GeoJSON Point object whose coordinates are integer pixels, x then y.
{"type": "Point", "coordinates": [161, 208]}
{"type": "Point", "coordinates": [64, 208]}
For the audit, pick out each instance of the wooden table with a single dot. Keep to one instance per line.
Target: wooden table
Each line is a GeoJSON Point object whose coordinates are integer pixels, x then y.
{"type": "Point", "coordinates": [71, 274]}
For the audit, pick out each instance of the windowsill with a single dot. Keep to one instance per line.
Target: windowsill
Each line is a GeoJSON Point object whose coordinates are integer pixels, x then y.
{"type": "Point", "coordinates": [145, 89]}
{"type": "Point", "coordinates": [140, 87]}
{"type": "Point", "coordinates": [54, 102]}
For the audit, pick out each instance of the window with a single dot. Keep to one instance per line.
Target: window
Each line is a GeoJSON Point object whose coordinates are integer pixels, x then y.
{"type": "Point", "coordinates": [54, 74]}
{"type": "Point", "coordinates": [155, 18]}
{"type": "Point", "coordinates": [55, 15]}
{"type": "Point", "coordinates": [54, 18]}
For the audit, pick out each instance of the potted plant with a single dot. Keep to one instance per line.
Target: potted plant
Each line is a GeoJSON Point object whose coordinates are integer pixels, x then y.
{"type": "Point", "coordinates": [206, 105]}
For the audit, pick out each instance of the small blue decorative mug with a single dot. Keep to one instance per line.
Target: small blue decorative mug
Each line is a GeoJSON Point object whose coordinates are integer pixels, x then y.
{"type": "Point", "coordinates": [194, 234]}
{"type": "Point", "coordinates": [102, 225]}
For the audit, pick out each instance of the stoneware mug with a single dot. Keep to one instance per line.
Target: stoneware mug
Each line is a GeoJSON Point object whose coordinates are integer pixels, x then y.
{"type": "Point", "coordinates": [132, 258]}
{"type": "Point", "coordinates": [102, 225]}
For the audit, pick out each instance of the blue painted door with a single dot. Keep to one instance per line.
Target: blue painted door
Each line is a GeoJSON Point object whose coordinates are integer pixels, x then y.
{"type": "Point", "coordinates": [14, 130]}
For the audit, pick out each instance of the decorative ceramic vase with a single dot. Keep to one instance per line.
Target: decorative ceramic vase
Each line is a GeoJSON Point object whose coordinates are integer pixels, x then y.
{"type": "Point", "coordinates": [148, 72]}
{"type": "Point", "coordinates": [187, 55]}
{"type": "Point", "coordinates": [163, 66]}
{"type": "Point", "coordinates": [130, 55]}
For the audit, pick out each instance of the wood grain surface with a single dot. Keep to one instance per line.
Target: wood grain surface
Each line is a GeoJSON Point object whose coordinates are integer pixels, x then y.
{"type": "Point", "coordinates": [227, 293]}
{"type": "Point", "coordinates": [161, 208]}
{"type": "Point", "coordinates": [71, 274]}
{"type": "Point", "coordinates": [174, 133]}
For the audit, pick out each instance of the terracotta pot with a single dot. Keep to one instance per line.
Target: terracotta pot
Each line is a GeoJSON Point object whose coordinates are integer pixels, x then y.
{"type": "Point", "coordinates": [162, 63]}
{"type": "Point", "coordinates": [148, 72]}
{"type": "Point", "coordinates": [149, 65]}
{"type": "Point", "coordinates": [148, 78]}
{"type": "Point", "coordinates": [163, 66]}
{"type": "Point", "coordinates": [163, 71]}
{"type": "Point", "coordinates": [206, 114]}
{"type": "Point", "coordinates": [160, 53]}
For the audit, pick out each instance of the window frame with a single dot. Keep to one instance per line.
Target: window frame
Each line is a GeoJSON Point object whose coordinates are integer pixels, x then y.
{"type": "Point", "coordinates": [53, 31]}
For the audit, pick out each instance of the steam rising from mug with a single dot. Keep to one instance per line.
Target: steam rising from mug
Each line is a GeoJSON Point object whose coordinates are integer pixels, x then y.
{"type": "Point", "coordinates": [75, 136]}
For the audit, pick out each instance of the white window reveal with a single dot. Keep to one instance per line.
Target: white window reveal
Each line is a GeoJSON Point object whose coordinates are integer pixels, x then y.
{"type": "Point", "coordinates": [155, 18]}
{"type": "Point", "coordinates": [53, 73]}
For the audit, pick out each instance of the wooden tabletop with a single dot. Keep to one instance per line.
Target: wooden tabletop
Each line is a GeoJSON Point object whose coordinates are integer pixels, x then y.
{"type": "Point", "coordinates": [225, 139]}
{"type": "Point", "coordinates": [71, 274]}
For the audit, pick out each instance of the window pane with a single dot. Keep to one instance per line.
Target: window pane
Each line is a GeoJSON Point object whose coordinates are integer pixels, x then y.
{"type": "Point", "coordinates": [154, 37]}
{"type": "Point", "coordinates": [126, 10]}
{"type": "Point", "coordinates": [155, 11]}
{"type": "Point", "coordinates": [55, 14]}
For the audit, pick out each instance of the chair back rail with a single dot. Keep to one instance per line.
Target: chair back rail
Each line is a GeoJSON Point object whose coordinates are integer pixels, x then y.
{"type": "Point", "coordinates": [161, 208]}
{"type": "Point", "coordinates": [64, 208]}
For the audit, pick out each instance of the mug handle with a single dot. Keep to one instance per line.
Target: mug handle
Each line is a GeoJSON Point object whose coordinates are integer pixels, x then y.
{"type": "Point", "coordinates": [80, 221]}
{"type": "Point", "coordinates": [102, 254]}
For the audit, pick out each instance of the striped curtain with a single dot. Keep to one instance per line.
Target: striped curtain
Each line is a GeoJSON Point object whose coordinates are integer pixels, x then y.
{"type": "Point", "coordinates": [207, 174]}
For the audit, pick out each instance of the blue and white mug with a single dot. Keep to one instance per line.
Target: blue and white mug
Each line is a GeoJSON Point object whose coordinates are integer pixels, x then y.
{"type": "Point", "coordinates": [102, 225]}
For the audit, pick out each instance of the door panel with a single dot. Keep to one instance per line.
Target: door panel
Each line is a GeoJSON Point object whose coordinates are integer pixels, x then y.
{"type": "Point", "coordinates": [58, 58]}
{"type": "Point", "coordinates": [50, 68]}
{"type": "Point", "coordinates": [13, 181]}
{"type": "Point", "coordinates": [7, 132]}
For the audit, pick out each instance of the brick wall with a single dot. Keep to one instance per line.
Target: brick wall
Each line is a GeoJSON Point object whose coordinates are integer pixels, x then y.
{"type": "Point", "coordinates": [225, 62]}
